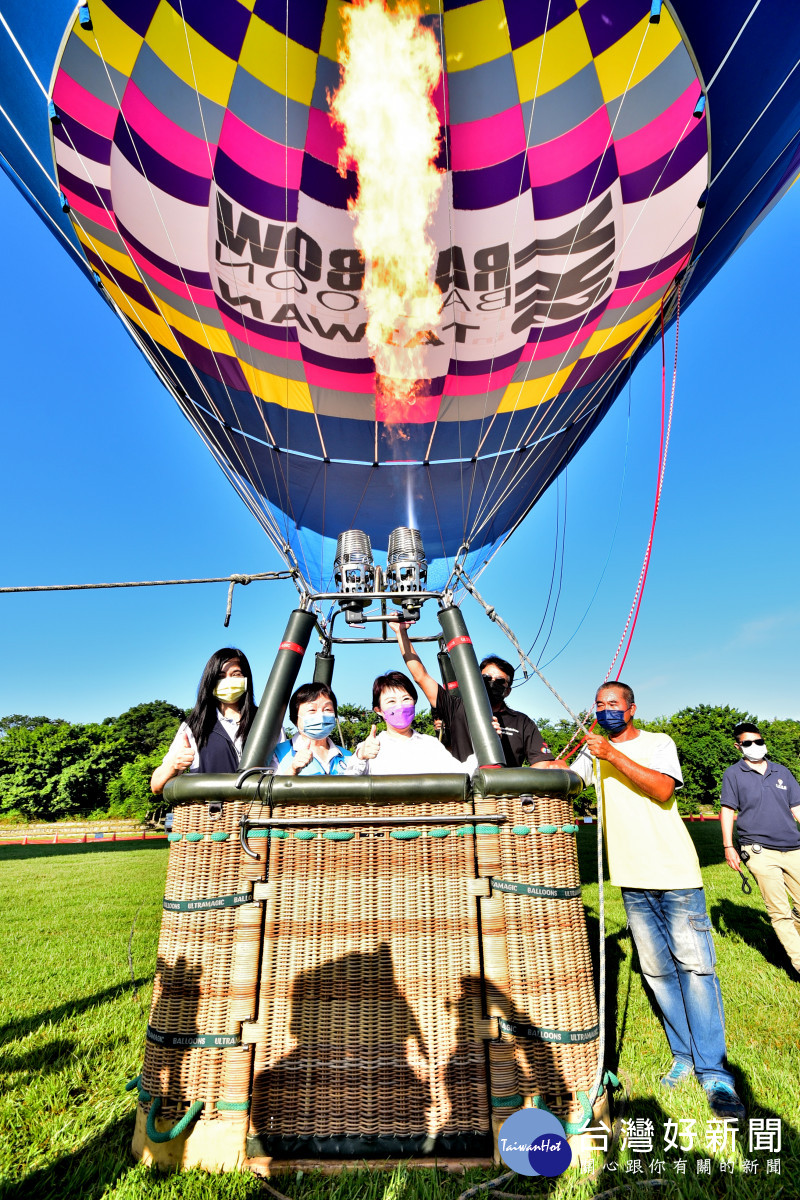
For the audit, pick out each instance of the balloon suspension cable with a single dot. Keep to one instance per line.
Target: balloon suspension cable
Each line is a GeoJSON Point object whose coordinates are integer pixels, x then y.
{"type": "Point", "coordinates": [666, 429]}
{"type": "Point", "coordinates": [232, 580]}
{"type": "Point", "coordinates": [493, 615]}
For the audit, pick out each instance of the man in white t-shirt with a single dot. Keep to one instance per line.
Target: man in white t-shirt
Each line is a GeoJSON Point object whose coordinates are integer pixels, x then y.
{"type": "Point", "coordinates": [652, 858]}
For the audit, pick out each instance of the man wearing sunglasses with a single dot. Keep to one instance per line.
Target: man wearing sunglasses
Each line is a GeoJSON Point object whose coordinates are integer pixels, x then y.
{"type": "Point", "coordinates": [765, 798]}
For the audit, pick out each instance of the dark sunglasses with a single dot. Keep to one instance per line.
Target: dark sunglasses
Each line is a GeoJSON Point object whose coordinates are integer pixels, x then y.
{"type": "Point", "coordinates": [753, 742]}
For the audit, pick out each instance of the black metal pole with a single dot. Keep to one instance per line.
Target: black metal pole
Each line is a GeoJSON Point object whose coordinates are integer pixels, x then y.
{"type": "Point", "coordinates": [323, 668]}
{"type": "Point", "coordinates": [265, 731]}
{"type": "Point", "coordinates": [458, 645]}
{"type": "Point", "coordinates": [449, 681]}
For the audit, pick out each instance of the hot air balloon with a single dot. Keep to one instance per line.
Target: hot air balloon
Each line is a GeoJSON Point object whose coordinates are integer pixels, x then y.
{"type": "Point", "coordinates": [593, 155]}
{"type": "Point", "coordinates": [594, 161]}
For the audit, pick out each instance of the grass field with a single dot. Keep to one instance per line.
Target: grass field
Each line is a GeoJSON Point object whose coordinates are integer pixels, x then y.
{"type": "Point", "coordinates": [72, 1030]}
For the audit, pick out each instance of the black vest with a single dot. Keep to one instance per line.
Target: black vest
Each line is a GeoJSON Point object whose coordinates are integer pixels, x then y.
{"type": "Point", "coordinates": [218, 756]}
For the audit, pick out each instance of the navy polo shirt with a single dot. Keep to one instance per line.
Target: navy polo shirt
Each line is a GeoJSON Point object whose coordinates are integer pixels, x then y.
{"type": "Point", "coordinates": [763, 803]}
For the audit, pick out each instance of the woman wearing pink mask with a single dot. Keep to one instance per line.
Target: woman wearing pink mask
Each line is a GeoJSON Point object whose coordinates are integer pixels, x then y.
{"type": "Point", "coordinates": [399, 749]}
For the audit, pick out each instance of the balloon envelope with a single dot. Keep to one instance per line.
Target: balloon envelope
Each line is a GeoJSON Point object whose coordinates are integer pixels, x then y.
{"type": "Point", "coordinates": [185, 154]}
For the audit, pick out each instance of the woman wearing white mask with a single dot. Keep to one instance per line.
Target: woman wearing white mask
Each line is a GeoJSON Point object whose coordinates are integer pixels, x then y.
{"type": "Point", "coordinates": [213, 736]}
{"type": "Point", "coordinates": [313, 710]}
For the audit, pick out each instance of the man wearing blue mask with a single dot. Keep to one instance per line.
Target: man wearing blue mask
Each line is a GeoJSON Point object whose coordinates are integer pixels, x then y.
{"type": "Point", "coordinates": [652, 858]}
{"type": "Point", "coordinates": [765, 799]}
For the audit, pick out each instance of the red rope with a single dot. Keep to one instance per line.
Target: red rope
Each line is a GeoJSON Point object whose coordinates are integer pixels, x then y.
{"type": "Point", "coordinates": [666, 428]}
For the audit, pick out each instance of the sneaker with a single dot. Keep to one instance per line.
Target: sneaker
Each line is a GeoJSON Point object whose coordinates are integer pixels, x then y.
{"type": "Point", "coordinates": [677, 1073]}
{"type": "Point", "coordinates": [723, 1101]}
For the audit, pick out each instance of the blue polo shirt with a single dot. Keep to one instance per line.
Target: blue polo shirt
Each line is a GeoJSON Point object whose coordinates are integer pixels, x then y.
{"type": "Point", "coordinates": [763, 803]}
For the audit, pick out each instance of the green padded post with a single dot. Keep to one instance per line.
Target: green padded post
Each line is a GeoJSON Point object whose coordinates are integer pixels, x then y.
{"type": "Point", "coordinates": [324, 789]}
{"type": "Point", "coordinates": [266, 729]}
{"type": "Point", "coordinates": [458, 645]}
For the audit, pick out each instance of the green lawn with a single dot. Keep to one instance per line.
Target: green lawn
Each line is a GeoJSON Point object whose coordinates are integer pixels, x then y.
{"type": "Point", "coordinates": [72, 1032]}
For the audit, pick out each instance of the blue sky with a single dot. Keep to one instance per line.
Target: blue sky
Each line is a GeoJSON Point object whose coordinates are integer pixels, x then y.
{"type": "Point", "coordinates": [104, 480]}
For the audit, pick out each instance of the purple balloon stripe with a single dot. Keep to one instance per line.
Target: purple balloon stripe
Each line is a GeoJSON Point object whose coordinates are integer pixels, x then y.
{"type": "Point", "coordinates": [84, 141]}
{"type": "Point", "coordinates": [163, 174]}
{"type": "Point", "coordinates": [200, 279]}
{"type": "Point", "coordinates": [606, 23]}
{"type": "Point", "coordinates": [136, 14]}
{"type": "Point", "coordinates": [243, 317]}
{"type": "Point", "coordinates": [223, 23]}
{"type": "Point", "coordinates": [266, 199]}
{"type": "Point", "coordinates": [642, 274]}
{"type": "Point", "coordinates": [484, 366]}
{"type": "Point", "coordinates": [324, 183]}
{"type": "Point", "coordinates": [86, 190]}
{"type": "Point", "coordinates": [570, 194]}
{"type": "Point", "coordinates": [491, 186]}
{"type": "Point", "coordinates": [587, 371]}
{"type": "Point", "coordinates": [526, 20]}
{"type": "Point", "coordinates": [305, 19]}
{"type": "Point", "coordinates": [134, 288]}
{"type": "Point", "coordinates": [219, 366]}
{"type": "Point", "coordinates": [551, 333]}
{"type": "Point", "coordinates": [667, 170]}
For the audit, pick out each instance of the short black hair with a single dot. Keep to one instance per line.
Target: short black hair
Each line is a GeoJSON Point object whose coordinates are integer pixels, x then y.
{"type": "Point", "coordinates": [392, 679]}
{"type": "Point", "coordinates": [310, 691]}
{"type": "Point", "coordinates": [745, 727]}
{"type": "Point", "coordinates": [623, 687]}
{"type": "Point", "coordinates": [501, 664]}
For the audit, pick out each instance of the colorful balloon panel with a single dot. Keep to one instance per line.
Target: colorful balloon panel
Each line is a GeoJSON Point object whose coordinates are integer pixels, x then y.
{"type": "Point", "coordinates": [194, 147]}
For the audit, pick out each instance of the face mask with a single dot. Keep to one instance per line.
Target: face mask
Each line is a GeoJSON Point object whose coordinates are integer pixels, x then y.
{"type": "Point", "coordinates": [319, 727]}
{"type": "Point", "coordinates": [399, 717]}
{"type": "Point", "coordinates": [611, 719]}
{"type": "Point", "coordinates": [754, 753]}
{"type": "Point", "coordinates": [229, 690]}
{"type": "Point", "coordinates": [496, 689]}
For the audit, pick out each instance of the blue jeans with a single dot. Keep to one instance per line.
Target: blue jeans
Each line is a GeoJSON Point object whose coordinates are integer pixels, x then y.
{"type": "Point", "coordinates": [672, 933]}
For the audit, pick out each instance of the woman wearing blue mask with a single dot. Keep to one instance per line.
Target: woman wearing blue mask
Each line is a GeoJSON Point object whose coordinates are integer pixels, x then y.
{"type": "Point", "coordinates": [313, 710]}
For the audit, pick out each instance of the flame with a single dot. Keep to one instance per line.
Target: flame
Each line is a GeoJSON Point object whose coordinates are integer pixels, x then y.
{"type": "Point", "coordinates": [390, 67]}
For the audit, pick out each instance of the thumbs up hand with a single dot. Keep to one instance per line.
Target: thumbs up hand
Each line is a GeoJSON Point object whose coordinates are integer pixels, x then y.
{"type": "Point", "coordinates": [370, 747]}
{"type": "Point", "coordinates": [183, 754]}
{"type": "Point", "coordinates": [302, 756]}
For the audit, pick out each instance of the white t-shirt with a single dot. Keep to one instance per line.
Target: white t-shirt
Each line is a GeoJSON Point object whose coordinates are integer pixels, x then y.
{"type": "Point", "coordinates": [230, 726]}
{"type": "Point", "coordinates": [419, 754]}
{"type": "Point", "coordinates": [647, 843]}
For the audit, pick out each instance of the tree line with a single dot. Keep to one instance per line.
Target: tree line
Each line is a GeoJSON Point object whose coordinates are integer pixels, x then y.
{"type": "Point", "coordinates": [51, 769]}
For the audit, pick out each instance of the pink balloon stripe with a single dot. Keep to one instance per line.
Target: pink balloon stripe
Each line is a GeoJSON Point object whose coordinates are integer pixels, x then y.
{"type": "Point", "coordinates": [476, 144]}
{"type": "Point", "coordinates": [278, 347]}
{"type": "Point", "coordinates": [478, 385]}
{"type": "Point", "coordinates": [94, 212]}
{"type": "Point", "coordinates": [259, 156]}
{"type": "Point", "coordinates": [660, 136]}
{"type": "Point", "coordinates": [173, 143]}
{"type": "Point", "coordinates": [558, 346]}
{"type": "Point", "coordinates": [83, 106]}
{"type": "Point", "coordinates": [339, 381]}
{"type": "Point", "coordinates": [202, 297]}
{"type": "Point", "coordinates": [401, 412]}
{"type": "Point", "coordinates": [323, 138]}
{"type": "Point", "coordinates": [564, 156]}
{"type": "Point", "coordinates": [648, 287]}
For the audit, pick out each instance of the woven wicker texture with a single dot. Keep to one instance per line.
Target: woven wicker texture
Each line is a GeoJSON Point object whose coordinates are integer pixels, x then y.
{"type": "Point", "coordinates": [369, 1030]}
{"type": "Point", "coordinates": [537, 962]}
{"type": "Point", "coordinates": [207, 968]}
